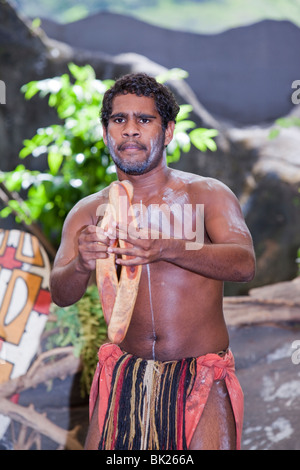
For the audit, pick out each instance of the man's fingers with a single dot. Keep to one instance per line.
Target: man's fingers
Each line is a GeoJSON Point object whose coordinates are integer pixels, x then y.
{"type": "Point", "coordinates": [133, 261]}
{"type": "Point", "coordinates": [127, 251]}
{"type": "Point", "coordinates": [95, 235]}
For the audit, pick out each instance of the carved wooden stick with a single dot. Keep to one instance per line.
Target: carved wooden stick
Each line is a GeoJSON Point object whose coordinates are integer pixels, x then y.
{"type": "Point", "coordinates": [118, 297]}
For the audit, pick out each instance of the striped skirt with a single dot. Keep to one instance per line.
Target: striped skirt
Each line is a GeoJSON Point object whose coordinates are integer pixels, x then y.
{"type": "Point", "coordinates": [152, 405]}
{"type": "Point", "coordinates": [146, 406]}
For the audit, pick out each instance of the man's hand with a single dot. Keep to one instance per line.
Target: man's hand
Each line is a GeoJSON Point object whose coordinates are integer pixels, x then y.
{"type": "Point", "coordinates": [93, 243]}
{"type": "Point", "coordinates": [142, 246]}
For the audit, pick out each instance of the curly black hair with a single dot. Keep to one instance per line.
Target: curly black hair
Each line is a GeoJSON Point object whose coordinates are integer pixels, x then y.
{"type": "Point", "coordinates": [141, 84]}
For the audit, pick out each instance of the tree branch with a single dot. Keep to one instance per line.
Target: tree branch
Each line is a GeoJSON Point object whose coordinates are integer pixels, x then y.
{"type": "Point", "coordinates": [39, 372]}
{"type": "Point", "coordinates": [29, 417]}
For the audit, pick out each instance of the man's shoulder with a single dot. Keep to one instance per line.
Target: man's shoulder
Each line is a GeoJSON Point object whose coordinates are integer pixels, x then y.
{"type": "Point", "coordinates": [203, 183]}
{"type": "Point", "coordinates": [91, 200]}
{"type": "Point", "coordinates": [86, 208]}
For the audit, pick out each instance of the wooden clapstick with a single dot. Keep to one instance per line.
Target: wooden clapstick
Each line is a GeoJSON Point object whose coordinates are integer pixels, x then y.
{"type": "Point", "coordinates": [106, 275]}
{"type": "Point", "coordinates": [121, 294]}
{"type": "Point", "coordinates": [130, 275]}
{"type": "Point", "coordinates": [2, 334]}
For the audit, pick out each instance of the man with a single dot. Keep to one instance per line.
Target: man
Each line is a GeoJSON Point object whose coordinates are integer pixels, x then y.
{"type": "Point", "coordinates": [170, 384]}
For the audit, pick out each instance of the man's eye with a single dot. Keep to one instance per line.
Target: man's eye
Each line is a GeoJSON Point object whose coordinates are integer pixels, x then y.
{"type": "Point", "coordinates": [144, 120]}
{"type": "Point", "coordinates": [119, 120]}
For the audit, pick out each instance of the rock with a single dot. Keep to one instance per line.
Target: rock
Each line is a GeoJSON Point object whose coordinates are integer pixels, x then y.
{"type": "Point", "coordinates": [288, 292]}
{"type": "Point", "coordinates": [269, 376]}
{"type": "Point", "coordinates": [243, 75]}
{"type": "Point", "coordinates": [270, 200]}
{"type": "Point", "coordinates": [264, 337]}
{"type": "Point", "coordinates": [277, 303]}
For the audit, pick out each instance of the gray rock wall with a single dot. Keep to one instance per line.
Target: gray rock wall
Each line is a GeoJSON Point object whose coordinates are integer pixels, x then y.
{"type": "Point", "coordinates": [243, 74]}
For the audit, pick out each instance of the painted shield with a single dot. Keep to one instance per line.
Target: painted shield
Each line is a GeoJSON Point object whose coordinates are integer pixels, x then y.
{"type": "Point", "coordinates": [24, 302]}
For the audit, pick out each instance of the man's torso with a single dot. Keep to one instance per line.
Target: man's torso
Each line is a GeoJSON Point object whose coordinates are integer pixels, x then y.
{"type": "Point", "coordinates": [178, 313]}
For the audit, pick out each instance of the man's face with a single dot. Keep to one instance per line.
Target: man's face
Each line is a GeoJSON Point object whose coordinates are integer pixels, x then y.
{"type": "Point", "coordinates": [134, 135]}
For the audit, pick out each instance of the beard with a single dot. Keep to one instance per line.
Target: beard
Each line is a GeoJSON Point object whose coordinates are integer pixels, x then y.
{"type": "Point", "coordinates": [131, 166]}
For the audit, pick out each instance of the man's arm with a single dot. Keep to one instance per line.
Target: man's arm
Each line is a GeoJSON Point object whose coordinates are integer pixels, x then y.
{"type": "Point", "coordinates": [228, 254]}
{"type": "Point", "coordinates": [81, 244]}
{"type": "Point", "coordinates": [221, 261]}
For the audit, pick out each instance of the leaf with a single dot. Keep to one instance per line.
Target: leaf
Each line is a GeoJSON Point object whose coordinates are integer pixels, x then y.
{"type": "Point", "coordinates": [211, 145]}
{"type": "Point", "coordinates": [274, 133]}
{"type": "Point", "coordinates": [183, 126]}
{"type": "Point", "coordinates": [30, 89]}
{"type": "Point", "coordinates": [203, 139]}
{"type": "Point", "coordinates": [55, 159]}
{"type": "Point", "coordinates": [28, 148]}
{"type": "Point", "coordinates": [184, 112]}
{"type": "Point", "coordinates": [22, 214]}
{"type": "Point", "coordinates": [5, 212]}
{"type": "Point", "coordinates": [172, 74]}
{"type": "Point", "coordinates": [82, 73]}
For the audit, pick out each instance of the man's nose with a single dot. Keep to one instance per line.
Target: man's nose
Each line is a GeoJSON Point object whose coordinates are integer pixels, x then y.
{"type": "Point", "coordinates": [131, 129]}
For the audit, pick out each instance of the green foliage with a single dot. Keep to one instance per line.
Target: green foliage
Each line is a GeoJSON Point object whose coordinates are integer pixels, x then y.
{"type": "Point", "coordinates": [81, 325]}
{"type": "Point", "coordinates": [78, 160]}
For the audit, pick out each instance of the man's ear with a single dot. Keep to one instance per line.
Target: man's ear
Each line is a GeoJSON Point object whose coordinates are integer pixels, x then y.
{"type": "Point", "coordinates": [104, 130]}
{"type": "Point", "coordinates": [169, 132]}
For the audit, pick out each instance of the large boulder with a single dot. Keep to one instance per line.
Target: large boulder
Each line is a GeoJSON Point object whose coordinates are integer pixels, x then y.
{"type": "Point", "coordinates": [243, 74]}
{"type": "Point", "coordinates": [271, 201]}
